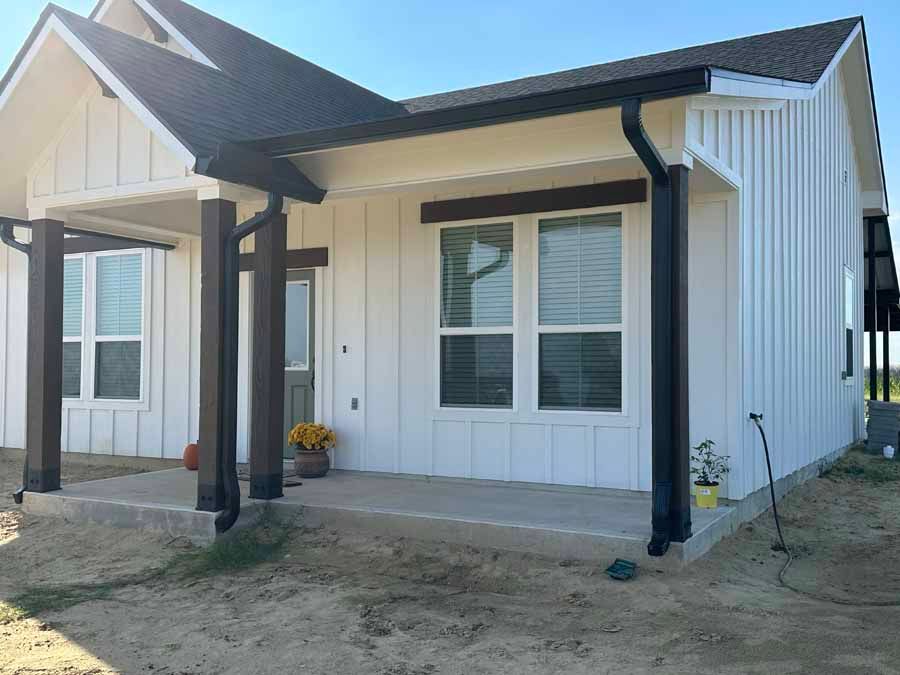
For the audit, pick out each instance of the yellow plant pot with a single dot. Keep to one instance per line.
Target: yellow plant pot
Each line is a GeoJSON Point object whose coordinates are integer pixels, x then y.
{"type": "Point", "coordinates": [707, 496]}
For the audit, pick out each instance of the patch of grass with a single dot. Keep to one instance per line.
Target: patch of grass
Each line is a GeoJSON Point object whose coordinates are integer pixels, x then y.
{"type": "Point", "coordinates": [238, 551]}
{"type": "Point", "coordinates": [858, 465]}
{"type": "Point", "coordinates": [241, 550]}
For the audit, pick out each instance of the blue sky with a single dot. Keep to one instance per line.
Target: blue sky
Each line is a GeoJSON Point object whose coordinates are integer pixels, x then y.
{"type": "Point", "coordinates": [403, 49]}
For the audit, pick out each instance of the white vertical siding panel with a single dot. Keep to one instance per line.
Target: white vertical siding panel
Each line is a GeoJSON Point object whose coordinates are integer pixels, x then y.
{"type": "Point", "coordinates": [382, 357]}
{"type": "Point", "coordinates": [4, 341]}
{"type": "Point", "coordinates": [415, 318]}
{"type": "Point", "coordinates": [349, 331]}
{"type": "Point", "coordinates": [800, 223]}
{"type": "Point", "coordinates": [177, 336]}
{"type": "Point", "coordinates": [193, 288]}
{"type": "Point", "coordinates": [125, 433]}
{"type": "Point", "coordinates": [16, 336]}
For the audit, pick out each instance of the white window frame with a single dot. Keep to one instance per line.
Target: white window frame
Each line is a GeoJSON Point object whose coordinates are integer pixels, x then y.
{"type": "Point", "coordinates": [485, 330]}
{"type": "Point", "coordinates": [80, 338]}
{"type": "Point", "coordinates": [90, 339]}
{"type": "Point", "coordinates": [848, 274]}
{"type": "Point", "coordinates": [622, 327]}
{"type": "Point", "coordinates": [305, 367]}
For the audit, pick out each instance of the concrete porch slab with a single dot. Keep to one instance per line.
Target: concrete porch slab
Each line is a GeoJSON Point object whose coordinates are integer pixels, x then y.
{"type": "Point", "coordinates": [576, 523]}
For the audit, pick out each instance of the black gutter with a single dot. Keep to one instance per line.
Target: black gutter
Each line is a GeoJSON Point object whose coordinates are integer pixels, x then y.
{"type": "Point", "coordinates": [229, 359]}
{"type": "Point", "coordinates": [671, 84]}
{"type": "Point", "coordinates": [8, 237]}
{"type": "Point", "coordinates": [662, 334]}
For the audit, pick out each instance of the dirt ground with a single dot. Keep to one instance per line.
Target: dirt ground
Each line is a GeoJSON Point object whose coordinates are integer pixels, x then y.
{"type": "Point", "coordinates": [318, 601]}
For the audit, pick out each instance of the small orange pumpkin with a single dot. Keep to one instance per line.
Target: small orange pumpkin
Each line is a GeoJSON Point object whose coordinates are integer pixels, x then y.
{"type": "Point", "coordinates": [191, 456]}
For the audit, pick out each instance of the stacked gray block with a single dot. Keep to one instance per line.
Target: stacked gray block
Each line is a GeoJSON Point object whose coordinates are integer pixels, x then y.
{"type": "Point", "coordinates": [884, 425]}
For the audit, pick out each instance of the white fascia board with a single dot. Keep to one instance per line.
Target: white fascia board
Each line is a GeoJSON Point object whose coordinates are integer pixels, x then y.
{"type": "Point", "coordinates": [169, 27]}
{"type": "Point", "coordinates": [55, 25]}
{"type": "Point", "coordinates": [180, 38]}
{"type": "Point", "coordinates": [104, 8]}
{"type": "Point", "coordinates": [729, 83]}
{"type": "Point", "coordinates": [874, 201]}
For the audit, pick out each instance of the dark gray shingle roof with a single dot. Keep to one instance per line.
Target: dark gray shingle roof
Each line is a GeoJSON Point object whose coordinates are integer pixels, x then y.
{"type": "Point", "coordinates": [316, 96]}
{"type": "Point", "coordinates": [264, 91]}
{"type": "Point", "coordinates": [798, 54]}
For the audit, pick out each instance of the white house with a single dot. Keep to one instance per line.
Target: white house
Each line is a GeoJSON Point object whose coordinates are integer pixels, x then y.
{"type": "Point", "coordinates": [566, 279]}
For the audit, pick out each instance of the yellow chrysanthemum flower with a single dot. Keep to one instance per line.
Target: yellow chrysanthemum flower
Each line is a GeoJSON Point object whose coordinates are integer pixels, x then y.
{"type": "Point", "coordinates": [312, 437]}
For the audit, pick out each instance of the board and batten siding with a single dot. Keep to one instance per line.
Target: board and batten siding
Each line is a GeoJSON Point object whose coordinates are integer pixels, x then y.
{"type": "Point", "coordinates": [159, 427]}
{"type": "Point", "coordinates": [376, 342]}
{"type": "Point", "coordinates": [800, 223]}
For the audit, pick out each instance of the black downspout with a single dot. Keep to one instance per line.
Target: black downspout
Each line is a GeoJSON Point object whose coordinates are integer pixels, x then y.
{"type": "Point", "coordinates": [661, 311]}
{"type": "Point", "coordinates": [8, 237]}
{"type": "Point", "coordinates": [229, 357]}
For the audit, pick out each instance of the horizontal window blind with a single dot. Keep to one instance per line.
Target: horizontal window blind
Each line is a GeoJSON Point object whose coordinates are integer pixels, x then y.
{"type": "Point", "coordinates": [477, 371]}
{"type": "Point", "coordinates": [119, 295]}
{"type": "Point", "coordinates": [581, 371]}
{"type": "Point", "coordinates": [580, 270]}
{"type": "Point", "coordinates": [477, 276]}
{"type": "Point", "coordinates": [73, 296]}
{"type": "Point", "coordinates": [118, 370]}
{"type": "Point", "coordinates": [71, 370]}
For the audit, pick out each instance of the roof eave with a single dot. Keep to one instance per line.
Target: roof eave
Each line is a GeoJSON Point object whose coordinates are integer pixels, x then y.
{"type": "Point", "coordinates": [671, 84]}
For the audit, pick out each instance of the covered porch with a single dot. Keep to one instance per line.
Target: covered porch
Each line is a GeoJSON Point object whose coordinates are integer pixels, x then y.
{"type": "Point", "coordinates": [556, 522]}
{"type": "Point", "coordinates": [378, 341]}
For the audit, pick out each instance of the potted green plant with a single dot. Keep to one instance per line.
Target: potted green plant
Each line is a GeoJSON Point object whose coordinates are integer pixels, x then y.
{"type": "Point", "coordinates": [311, 443]}
{"type": "Point", "coordinates": [709, 468]}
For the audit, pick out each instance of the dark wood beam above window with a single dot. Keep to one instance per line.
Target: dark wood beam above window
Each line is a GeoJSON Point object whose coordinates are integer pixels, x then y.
{"type": "Point", "coordinates": [295, 259]}
{"type": "Point", "coordinates": [537, 201]}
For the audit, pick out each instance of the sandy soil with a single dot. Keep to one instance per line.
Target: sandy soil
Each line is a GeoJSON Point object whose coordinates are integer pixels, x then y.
{"type": "Point", "coordinates": [331, 603]}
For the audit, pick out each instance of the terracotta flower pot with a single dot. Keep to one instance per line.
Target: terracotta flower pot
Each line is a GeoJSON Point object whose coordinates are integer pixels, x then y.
{"type": "Point", "coordinates": [312, 463]}
{"type": "Point", "coordinates": [191, 456]}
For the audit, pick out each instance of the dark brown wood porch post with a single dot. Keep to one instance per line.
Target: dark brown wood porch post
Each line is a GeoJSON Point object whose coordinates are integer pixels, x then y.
{"type": "Point", "coordinates": [45, 335]}
{"type": "Point", "coordinates": [886, 355]}
{"type": "Point", "coordinates": [680, 507]}
{"type": "Point", "coordinates": [218, 217]}
{"type": "Point", "coordinates": [267, 410]}
{"type": "Point", "coordinates": [872, 307]}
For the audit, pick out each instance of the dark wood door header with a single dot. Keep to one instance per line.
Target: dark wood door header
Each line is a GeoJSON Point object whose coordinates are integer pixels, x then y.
{"type": "Point", "coordinates": [537, 201]}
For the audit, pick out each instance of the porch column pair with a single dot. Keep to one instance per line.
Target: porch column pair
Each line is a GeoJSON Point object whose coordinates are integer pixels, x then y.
{"type": "Point", "coordinates": [218, 218]}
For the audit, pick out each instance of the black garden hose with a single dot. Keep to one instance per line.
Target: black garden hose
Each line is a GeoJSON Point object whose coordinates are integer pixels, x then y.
{"type": "Point", "coordinates": [757, 420]}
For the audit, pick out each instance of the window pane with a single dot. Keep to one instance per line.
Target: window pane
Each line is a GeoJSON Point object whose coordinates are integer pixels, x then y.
{"type": "Point", "coordinates": [119, 294]}
{"type": "Point", "coordinates": [477, 371]}
{"type": "Point", "coordinates": [581, 371]}
{"type": "Point", "coordinates": [73, 296]}
{"type": "Point", "coordinates": [476, 276]}
{"type": "Point", "coordinates": [580, 270]}
{"type": "Point", "coordinates": [71, 372]}
{"type": "Point", "coordinates": [296, 341]}
{"type": "Point", "coordinates": [118, 370]}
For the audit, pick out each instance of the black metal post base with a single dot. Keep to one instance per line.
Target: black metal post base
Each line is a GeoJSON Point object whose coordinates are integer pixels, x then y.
{"type": "Point", "coordinates": [43, 480]}
{"type": "Point", "coordinates": [210, 497]}
{"type": "Point", "coordinates": [680, 527]}
{"type": "Point", "coordinates": [267, 486]}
